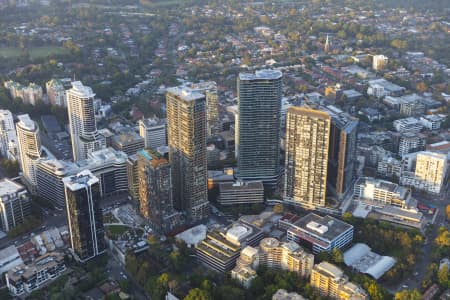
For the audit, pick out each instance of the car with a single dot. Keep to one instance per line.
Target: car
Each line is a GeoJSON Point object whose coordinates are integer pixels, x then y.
{"type": "Point", "coordinates": [405, 286]}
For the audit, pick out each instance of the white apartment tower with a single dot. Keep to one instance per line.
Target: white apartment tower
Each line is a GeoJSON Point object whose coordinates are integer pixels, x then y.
{"type": "Point", "coordinates": [431, 169]}
{"type": "Point", "coordinates": [29, 148]}
{"type": "Point", "coordinates": [83, 128]}
{"type": "Point", "coordinates": [8, 137]}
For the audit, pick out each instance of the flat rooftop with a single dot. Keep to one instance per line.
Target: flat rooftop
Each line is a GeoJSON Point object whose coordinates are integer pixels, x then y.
{"type": "Point", "coordinates": [327, 227]}
{"type": "Point", "coordinates": [261, 75]}
{"type": "Point", "coordinates": [239, 186]}
{"type": "Point", "coordinates": [185, 93]}
{"type": "Point", "coordinates": [8, 186]}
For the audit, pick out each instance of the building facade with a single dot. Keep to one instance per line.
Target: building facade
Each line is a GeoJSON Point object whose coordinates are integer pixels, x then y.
{"type": "Point", "coordinates": [8, 136]}
{"type": "Point", "coordinates": [342, 164]}
{"type": "Point", "coordinates": [431, 170]}
{"type": "Point", "coordinates": [110, 167]}
{"type": "Point", "coordinates": [240, 192]}
{"type": "Point", "coordinates": [83, 128]}
{"type": "Point", "coordinates": [381, 191]}
{"type": "Point", "coordinates": [14, 204]}
{"type": "Point", "coordinates": [330, 281]}
{"type": "Point", "coordinates": [50, 174]}
{"type": "Point", "coordinates": [209, 88]}
{"type": "Point", "coordinates": [154, 132]}
{"type": "Point", "coordinates": [155, 191]}
{"type": "Point", "coordinates": [28, 278]}
{"type": "Point", "coordinates": [129, 142]}
{"type": "Point", "coordinates": [186, 118]}
{"type": "Point", "coordinates": [258, 126]}
{"type": "Point", "coordinates": [306, 166]}
{"type": "Point", "coordinates": [84, 217]}
{"type": "Point", "coordinates": [56, 93]}
{"type": "Point", "coordinates": [29, 149]}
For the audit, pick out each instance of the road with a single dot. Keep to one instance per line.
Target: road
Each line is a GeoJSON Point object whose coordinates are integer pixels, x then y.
{"type": "Point", "coordinates": [415, 281]}
{"type": "Point", "coordinates": [117, 271]}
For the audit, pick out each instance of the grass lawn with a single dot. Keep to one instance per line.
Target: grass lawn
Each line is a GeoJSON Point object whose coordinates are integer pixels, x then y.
{"type": "Point", "coordinates": [115, 230]}
{"type": "Point", "coordinates": [35, 52]}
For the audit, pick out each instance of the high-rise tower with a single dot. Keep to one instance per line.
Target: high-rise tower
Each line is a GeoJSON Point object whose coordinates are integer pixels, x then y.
{"type": "Point", "coordinates": [155, 190]}
{"type": "Point", "coordinates": [8, 135]}
{"type": "Point", "coordinates": [307, 143]}
{"type": "Point", "coordinates": [83, 128]}
{"type": "Point", "coordinates": [84, 217]}
{"type": "Point", "coordinates": [29, 149]}
{"type": "Point", "coordinates": [186, 120]}
{"type": "Point", "coordinates": [259, 126]}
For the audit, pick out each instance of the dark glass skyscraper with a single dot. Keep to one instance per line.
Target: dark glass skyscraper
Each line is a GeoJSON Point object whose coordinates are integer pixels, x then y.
{"type": "Point", "coordinates": [258, 126]}
{"type": "Point", "coordinates": [84, 217]}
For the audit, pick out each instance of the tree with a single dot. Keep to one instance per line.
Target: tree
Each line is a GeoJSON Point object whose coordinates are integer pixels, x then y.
{"type": "Point", "coordinates": [408, 295]}
{"type": "Point", "coordinates": [447, 212]}
{"type": "Point", "coordinates": [197, 294]}
{"type": "Point", "coordinates": [443, 238]}
{"type": "Point", "coordinates": [443, 276]}
{"type": "Point", "coordinates": [337, 256]}
{"type": "Point", "coordinates": [278, 208]}
{"type": "Point", "coordinates": [421, 87]}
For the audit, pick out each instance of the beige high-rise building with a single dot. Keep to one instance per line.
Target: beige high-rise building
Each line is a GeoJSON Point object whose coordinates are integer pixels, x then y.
{"type": "Point", "coordinates": [29, 149]}
{"type": "Point", "coordinates": [307, 143]}
{"type": "Point", "coordinates": [83, 128]}
{"type": "Point", "coordinates": [431, 169]}
{"type": "Point", "coordinates": [186, 120]}
{"type": "Point", "coordinates": [330, 281]}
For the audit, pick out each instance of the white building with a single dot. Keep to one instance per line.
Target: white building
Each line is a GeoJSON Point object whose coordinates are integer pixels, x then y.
{"type": "Point", "coordinates": [83, 128]}
{"type": "Point", "coordinates": [410, 124]}
{"type": "Point", "coordinates": [379, 62]}
{"type": "Point", "coordinates": [432, 122]}
{"type": "Point", "coordinates": [7, 135]}
{"type": "Point", "coordinates": [431, 169]}
{"type": "Point", "coordinates": [14, 204]}
{"type": "Point", "coordinates": [28, 278]}
{"type": "Point", "coordinates": [9, 258]}
{"type": "Point", "coordinates": [30, 94]}
{"type": "Point", "coordinates": [381, 191]}
{"type": "Point", "coordinates": [56, 93]}
{"type": "Point", "coordinates": [154, 132]}
{"type": "Point", "coordinates": [411, 142]}
{"type": "Point", "coordinates": [29, 148]}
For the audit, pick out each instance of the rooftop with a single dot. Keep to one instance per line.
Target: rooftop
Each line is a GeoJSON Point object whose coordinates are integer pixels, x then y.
{"type": "Point", "coordinates": [261, 75]}
{"type": "Point", "coordinates": [26, 123]}
{"type": "Point", "coordinates": [185, 93]}
{"type": "Point", "coordinates": [327, 227]}
{"type": "Point", "coordinates": [80, 90]}
{"type": "Point", "coordinates": [127, 138]}
{"type": "Point", "coordinates": [8, 186]}
{"type": "Point", "coordinates": [240, 185]}
{"type": "Point", "coordinates": [80, 181]}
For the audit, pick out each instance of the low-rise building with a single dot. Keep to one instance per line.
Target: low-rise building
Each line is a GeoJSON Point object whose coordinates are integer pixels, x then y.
{"type": "Point", "coordinates": [129, 142]}
{"type": "Point", "coordinates": [28, 278]}
{"type": "Point", "coordinates": [221, 248]}
{"type": "Point", "coordinates": [432, 122]}
{"type": "Point", "coordinates": [411, 142]}
{"type": "Point", "coordinates": [410, 124]}
{"type": "Point", "coordinates": [330, 281]}
{"type": "Point", "coordinates": [9, 258]}
{"type": "Point", "coordinates": [272, 254]}
{"type": "Point", "coordinates": [320, 233]}
{"type": "Point", "coordinates": [241, 192]}
{"type": "Point", "coordinates": [284, 295]}
{"type": "Point", "coordinates": [381, 191]}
